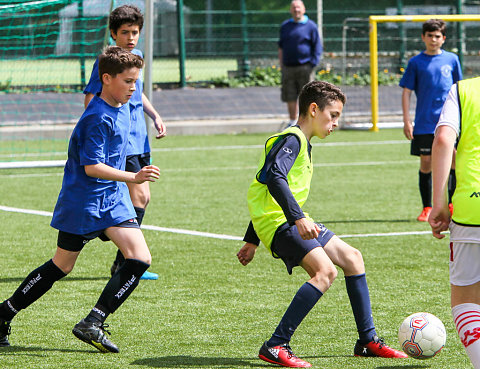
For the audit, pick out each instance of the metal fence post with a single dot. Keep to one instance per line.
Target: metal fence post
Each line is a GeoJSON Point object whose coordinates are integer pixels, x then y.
{"type": "Point", "coordinates": [148, 58]}
{"type": "Point", "coordinates": [181, 42]}
{"type": "Point", "coordinates": [82, 44]}
{"type": "Point", "coordinates": [245, 67]}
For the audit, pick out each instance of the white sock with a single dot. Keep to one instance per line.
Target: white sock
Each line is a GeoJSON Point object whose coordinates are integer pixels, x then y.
{"type": "Point", "coordinates": [467, 322]}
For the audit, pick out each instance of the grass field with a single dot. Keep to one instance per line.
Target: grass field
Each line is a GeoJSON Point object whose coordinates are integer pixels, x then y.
{"type": "Point", "coordinates": [208, 311]}
{"type": "Point", "coordinates": [67, 71]}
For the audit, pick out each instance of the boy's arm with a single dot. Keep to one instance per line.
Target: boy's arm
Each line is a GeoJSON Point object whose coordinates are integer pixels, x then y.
{"type": "Point", "coordinates": [152, 113]}
{"type": "Point", "coordinates": [407, 123]}
{"type": "Point", "coordinates": [278, 164]}
{"type": "Point", "coordinates": [88, 98]}
{"type": "Point", "coordinates": [247, 252]}
{"type": "Point", "coordinates": [442, 151]}
{"type": "Point", "coordinates": [100, 170]}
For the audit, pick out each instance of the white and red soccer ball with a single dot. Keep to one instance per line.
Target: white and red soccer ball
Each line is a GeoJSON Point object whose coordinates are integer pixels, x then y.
{"type": "Point", "coordinates": [422, 335]}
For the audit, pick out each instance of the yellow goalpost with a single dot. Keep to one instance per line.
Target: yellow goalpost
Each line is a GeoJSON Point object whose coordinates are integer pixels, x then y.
{"type": "Point", "coordinates": [373, 20]}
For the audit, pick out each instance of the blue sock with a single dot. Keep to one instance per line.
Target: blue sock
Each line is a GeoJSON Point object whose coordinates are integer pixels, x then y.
{"type": "Point", "coordinates": [304, 300]}
{"type": "Point", "coordinates": [359, 296]}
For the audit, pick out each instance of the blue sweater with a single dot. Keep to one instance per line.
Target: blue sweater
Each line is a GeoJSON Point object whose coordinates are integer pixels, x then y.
{"type": "Point", "coordinates": [300, 42]}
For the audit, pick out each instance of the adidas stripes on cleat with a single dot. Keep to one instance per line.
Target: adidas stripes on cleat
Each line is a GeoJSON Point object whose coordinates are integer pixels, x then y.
{"type": "Point", "coordinates": [377, 348]}
{"type": "Point", "coordinates": [282, 355]}
{"type": "Point", "coordinates": [94, 334]}
{"type": "Point", "coordinates": [4, 332]}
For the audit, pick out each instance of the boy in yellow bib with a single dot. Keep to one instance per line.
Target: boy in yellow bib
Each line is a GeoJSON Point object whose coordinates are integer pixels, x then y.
{"type": "Point", "coordinates": [275, 198]}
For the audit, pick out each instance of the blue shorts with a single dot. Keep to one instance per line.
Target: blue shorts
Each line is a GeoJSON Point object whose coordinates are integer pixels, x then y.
{"type": "Point", "coordinates": [76, 242]}
{"type": "Point", "coordinates": [289, 246]}
{"type": "Point", "coordinates": [136, 162]}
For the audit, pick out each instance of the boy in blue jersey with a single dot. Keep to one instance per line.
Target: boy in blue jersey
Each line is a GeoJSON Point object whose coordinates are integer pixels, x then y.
{"type": "Point", "coordinates": [275, 200]}
{"type": "Point", "coordinates": [94, 202]}
{"type": "Point", "coordinates": [125, 23]}
{"type": "Point", "coordinates": [430, 74]}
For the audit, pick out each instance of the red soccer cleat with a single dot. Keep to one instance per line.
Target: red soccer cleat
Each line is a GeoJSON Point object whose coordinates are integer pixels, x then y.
{"type": "Point", "coordinates": [377, 348]}
{"type": "Point", "coordinates": [423, 217]}
{"type": "Point", "coordinates": [282, 355]}
{"type": "Point", "coordinates": [450, 208]}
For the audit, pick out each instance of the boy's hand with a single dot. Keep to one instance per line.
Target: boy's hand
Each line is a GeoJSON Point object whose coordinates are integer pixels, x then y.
{"type": "Point", "coordinates": [439, 220]}
{"type": "Point", "coordinates": [148, 173]}
{"type": "Point", "coordinates": [160, 127]}
{"type": "Point", "coordinates": [408, 130]}
{"type": "Point", "coordinates": [307, 229]}
{"type": "Point", "coordinates": [246, 253]}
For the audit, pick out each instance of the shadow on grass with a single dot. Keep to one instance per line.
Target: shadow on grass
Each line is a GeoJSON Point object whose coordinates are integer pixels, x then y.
{"type": "Point", "coordinates": [66, 279]}
{"type": "Point", "coordinates": [187, 361]}
{"type": "Point", "coordinates": [12, 350]}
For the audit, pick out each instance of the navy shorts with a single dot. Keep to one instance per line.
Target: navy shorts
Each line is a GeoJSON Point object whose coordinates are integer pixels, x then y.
{"type": "Point", "coordinates": [289, 246]}
{"type": "Point", "coordinates": [421, 145]}
{"type": "Point", "coordinates": [76, 242]}
{"type": "Point", "coordinates": [136, 162]}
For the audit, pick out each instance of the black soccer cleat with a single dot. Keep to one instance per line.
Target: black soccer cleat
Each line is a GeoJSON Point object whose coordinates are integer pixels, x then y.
{"type": "Point", "coordinates": [94, 334]}
{"type": "Point", "coordinates": [4, 332]}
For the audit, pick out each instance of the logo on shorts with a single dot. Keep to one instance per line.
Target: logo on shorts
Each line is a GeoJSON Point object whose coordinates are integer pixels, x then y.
{"type": "Point", "coordinates": [133, 220]}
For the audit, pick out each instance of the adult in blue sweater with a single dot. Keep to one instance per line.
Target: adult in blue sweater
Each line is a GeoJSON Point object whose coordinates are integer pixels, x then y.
{"type": "Point", "coordinates": [299, 50]}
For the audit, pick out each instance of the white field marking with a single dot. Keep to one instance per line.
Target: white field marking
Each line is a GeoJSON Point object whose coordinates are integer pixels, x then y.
{"type": "Point", "coordinates": [251, 167]}
{"type": "Point", "coordinates": [232, 147]}
{"type": "Point", "coordinates": [241, 147]}
{"type": "Point", "coordinates": [216, 235]}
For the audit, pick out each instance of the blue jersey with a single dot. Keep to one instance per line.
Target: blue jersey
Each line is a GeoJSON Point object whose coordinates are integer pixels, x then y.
{"type": "Point", "coordinates": [300, 42]}
{"type": "Point", "coordinates": [87, 204]}
{"type": "Point", "coordinates": [138, 140]}
{"type": "Point", "coordinates": [431, 77]}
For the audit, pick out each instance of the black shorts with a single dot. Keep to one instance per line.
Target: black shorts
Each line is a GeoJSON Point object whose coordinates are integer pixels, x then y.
{"type": "Point", "coordinates": [289, 246]}
{"type": "Point", "coordinates": [136, 162]}
{"type": "Point", "coordinates": [421, 145]}
{"type": "Point", "coordinates": [76, 242]}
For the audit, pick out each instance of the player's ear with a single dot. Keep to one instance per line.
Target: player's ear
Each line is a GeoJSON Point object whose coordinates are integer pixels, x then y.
{"type": "Point", "coordinates": [113, 34]}
{"type": "Point", "coordinates": [106, 78]}
{"type": "Point", "coordinates": [313, 109]}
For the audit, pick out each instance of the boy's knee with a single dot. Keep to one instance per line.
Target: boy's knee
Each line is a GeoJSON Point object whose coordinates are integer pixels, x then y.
{"type": "Point", "coordinates": [326, 276]}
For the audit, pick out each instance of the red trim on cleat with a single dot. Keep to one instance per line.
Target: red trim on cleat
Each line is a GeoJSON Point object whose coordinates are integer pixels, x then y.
{"type": "Point", "coordinates": [282, 355]}
{"type": "Point", "coordinates": [377, 348]}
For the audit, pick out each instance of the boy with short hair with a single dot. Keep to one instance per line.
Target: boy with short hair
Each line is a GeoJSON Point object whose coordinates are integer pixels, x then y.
{"type": "Point", "coordinates": [430, 74]}
{"type": "Point", "coordinates": [275, 200]}
{"type": "Point", "coordinates": [94, 202]}
{"type": "Point", "coordinates": [125, 24]}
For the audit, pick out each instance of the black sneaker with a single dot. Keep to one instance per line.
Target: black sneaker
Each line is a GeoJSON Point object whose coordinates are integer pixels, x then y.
{"type": "Point", "coordinates": [94, 334]}
{"type": "Point", "coordinates": [4, 332]}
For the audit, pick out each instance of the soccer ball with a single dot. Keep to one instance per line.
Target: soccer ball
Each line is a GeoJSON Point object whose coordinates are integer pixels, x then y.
{"type": "Point", "coordinates": [422, 335]}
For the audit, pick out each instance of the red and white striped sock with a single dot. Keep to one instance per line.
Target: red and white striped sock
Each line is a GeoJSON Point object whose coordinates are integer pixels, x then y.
{"type": "Point", "coordinates": [467, 322]}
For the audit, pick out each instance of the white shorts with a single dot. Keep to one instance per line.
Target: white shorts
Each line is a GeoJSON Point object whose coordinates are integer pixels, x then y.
{"type": "Point", "coordinates": [464, 263]}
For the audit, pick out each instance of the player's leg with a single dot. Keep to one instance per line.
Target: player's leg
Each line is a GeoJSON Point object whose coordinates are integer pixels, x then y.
{"type": "Point", "coordinates": [137, 259]}
{"type": "Point", "coordinates": [351, 261]}
{"type": "Point", "coordinates": [40, 280]}
{"type": "Point", "coordinates": [465, 296]}
{"type": "Point", "coordinates": [310, 256]}
{"type": "Point", "coordinates": [140, 196]}
{"type": "Point", "coordinates": [289, 94]}
{"type": "Point", "coordinates": [422, 146]}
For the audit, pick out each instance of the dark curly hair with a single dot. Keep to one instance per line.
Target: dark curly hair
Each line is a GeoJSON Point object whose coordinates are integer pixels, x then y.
{"type": "Point", "coordinates": [319, 92]}
{"type": "Point", "coordinates": [125, 14]}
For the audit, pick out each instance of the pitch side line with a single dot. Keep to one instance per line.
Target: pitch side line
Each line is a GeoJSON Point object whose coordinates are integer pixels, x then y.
{"type": "Point", "coordinates": [214, 235]}
{"type": "Point", "coordinates": [231, 147]}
